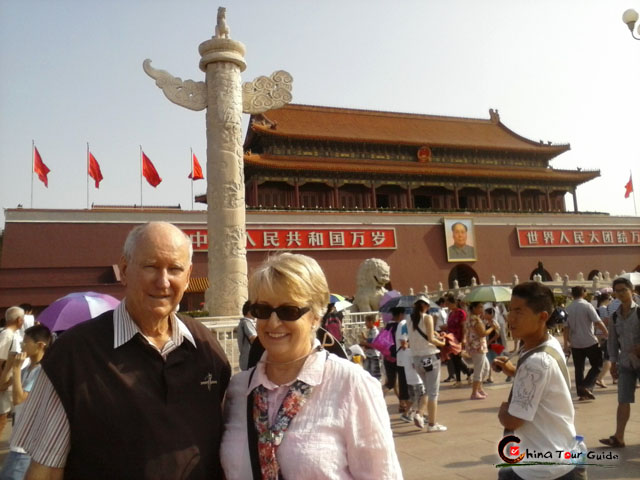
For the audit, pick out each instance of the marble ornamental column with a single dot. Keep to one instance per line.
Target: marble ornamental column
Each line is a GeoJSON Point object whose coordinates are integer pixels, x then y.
{"type": "Point", "coordinates": [225, 98]}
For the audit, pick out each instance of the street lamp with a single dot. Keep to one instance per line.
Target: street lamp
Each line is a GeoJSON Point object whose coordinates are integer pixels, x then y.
{"type": "Point", "coordinates": [630, 17]}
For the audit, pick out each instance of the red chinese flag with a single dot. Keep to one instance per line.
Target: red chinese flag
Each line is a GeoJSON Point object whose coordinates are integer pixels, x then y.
{"type": "Point", "coordinates": [94, 170]}
{"type": "Point", "coordinates": [196, 169]}
{"type": "Point", "coordinates": [628, 188]}
{"type": "Point", "coordinates": [40, 168]}
{"type": "Point", "coordinates": [149, 171]}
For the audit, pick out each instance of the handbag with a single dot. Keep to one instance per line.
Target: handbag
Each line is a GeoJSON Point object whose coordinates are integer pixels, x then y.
{"type": "Point", "coordinates": [451, 347]}
{"type": "Point", "coordinates": [385, 343]}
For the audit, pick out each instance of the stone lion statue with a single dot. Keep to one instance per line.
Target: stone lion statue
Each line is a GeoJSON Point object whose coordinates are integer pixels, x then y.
{"type": "Point", "coordinates": [373, 275]}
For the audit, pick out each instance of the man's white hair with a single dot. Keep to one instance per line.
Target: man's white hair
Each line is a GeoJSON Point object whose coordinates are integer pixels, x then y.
{"type": "Point", "coordinates": [12, 315]}
{"type": "Point", "coordinates": [134, 236]}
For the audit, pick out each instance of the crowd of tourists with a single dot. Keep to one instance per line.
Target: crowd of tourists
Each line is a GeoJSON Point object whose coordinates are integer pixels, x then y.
{"type": "Point", "coordinates": [141, 392]}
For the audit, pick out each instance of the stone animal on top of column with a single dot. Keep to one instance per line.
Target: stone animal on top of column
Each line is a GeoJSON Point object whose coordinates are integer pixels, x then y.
{"type": "Point", "coordinates": [222, 29]}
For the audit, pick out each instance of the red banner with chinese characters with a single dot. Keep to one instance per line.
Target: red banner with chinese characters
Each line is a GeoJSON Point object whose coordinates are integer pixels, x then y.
{"type": "Point", "coordinates": [578, 237]}
{"type": "Point", "coordinates": [307, 239]}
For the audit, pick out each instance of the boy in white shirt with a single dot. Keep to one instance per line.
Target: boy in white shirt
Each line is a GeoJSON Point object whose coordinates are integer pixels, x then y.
{"type": "Point", "coordinates": [539, 411]}
{"type": "Point", "coordinates": [24, 374]}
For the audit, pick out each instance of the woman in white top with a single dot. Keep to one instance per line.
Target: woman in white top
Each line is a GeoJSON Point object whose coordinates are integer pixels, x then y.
{"type": "Point", "coordinates": [302, 412]}
{"type": "Point", "coordinates": [424, 343]}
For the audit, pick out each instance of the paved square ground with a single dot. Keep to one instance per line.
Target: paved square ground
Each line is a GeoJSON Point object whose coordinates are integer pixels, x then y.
{"type": "Point", "coordinates": [468, 450]}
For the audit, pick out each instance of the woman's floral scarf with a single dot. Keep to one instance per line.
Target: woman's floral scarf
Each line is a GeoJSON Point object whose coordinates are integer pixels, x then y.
{"type": "Point", "coordinates": [269, 438]}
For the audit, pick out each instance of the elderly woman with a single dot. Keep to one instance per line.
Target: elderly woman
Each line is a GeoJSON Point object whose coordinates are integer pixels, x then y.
{"type": "Point", "coordinates": [302, 412]}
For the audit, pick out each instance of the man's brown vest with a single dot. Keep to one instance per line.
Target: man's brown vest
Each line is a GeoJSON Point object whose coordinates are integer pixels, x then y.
{"type": "Point", "coordinates": [134, 415]}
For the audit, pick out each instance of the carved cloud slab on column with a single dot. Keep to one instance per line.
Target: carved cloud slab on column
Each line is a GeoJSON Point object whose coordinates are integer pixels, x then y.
{"type": "Point", "coordinates": [187, 93]}
{"type": "Point", "coordinates": [267, 93]}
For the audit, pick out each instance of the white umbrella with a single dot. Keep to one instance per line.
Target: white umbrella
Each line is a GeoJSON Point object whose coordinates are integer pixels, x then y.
{"type": "Point", "coordinates": [489, 293]}
{"type": "Point", "coordinates": [633, 277]}
{"type": "Point", "coordinates": [342, 305]}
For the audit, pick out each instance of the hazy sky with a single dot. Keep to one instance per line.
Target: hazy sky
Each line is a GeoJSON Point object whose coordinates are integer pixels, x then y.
{"type": "Point", "coordinates": [71, 72]}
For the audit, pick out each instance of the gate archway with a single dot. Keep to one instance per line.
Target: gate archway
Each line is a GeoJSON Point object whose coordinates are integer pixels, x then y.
{"type": "Point", "coordinates": [463, 273]}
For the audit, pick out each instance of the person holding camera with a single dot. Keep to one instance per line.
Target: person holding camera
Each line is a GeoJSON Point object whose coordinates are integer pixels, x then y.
{"type": "Point", "coordinates": [425, 343]}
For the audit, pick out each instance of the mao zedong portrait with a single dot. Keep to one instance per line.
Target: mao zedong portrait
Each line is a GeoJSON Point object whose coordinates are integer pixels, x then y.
{"type": "Point", "coordinates": [460, 250]}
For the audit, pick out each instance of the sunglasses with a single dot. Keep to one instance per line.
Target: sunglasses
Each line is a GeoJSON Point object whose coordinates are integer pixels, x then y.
{"type": "Point", "coordinates": [287, 313]}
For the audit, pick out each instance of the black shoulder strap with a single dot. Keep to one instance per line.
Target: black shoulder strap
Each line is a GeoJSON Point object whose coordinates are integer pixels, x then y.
{"type": "Point", "coordinates": [422, 333]}
{"type": "Point", "coordinates": [419, 330]}
{"type": "Point", "coordinates": [614, 317]}
{"type": "Point", "coordinates": [252, 434]}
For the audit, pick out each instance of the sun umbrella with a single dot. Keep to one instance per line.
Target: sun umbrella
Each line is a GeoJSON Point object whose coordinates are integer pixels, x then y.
{"type": "Point", "coordinates": [633, 277]}
{"type": "Point", "coordinates": [389, 295]}
{"type": "Point", "coordinates": [405, 301]}
{"type": "Point", "coordinates": [75, 308]}
{"type": "Point", "coordinates": [386, 317]}
{"type": "Point", "coordinates": [339, 302]}
{"type": "Point", "coordinates": [342, 305]}
{"type": "Point", "coordinates": [335, 298]}
{"type": "Point", "coordinates": [489, 293]}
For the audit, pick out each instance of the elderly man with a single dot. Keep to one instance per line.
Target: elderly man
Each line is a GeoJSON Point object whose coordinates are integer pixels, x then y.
{"type": "Point", "coordinates": [137, 391]}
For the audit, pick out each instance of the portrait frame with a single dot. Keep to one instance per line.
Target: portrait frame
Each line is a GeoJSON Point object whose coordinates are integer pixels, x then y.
{"type": "Point", "coordinates": [467, 253]}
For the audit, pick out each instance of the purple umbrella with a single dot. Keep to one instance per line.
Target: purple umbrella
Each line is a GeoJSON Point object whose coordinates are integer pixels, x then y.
{"type": "Point", "coordinates": [75, 308]}
{"type": "Point", "coordinates": [386, 317]}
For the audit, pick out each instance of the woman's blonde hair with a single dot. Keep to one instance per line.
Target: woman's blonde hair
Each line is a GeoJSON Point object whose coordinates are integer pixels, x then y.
{"type": "Point", "coordinates": [299, 275]}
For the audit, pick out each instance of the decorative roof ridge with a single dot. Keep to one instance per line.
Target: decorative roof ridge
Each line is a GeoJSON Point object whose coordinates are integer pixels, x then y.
{"type": "Point", "coordinates": [403, 163]}
{"type": "Point", "coordinates": [566, 146]}
{"type": "Point", "coordinates": [578, 169]}
{"type": "Point", "coordinates": [385, 113]}
{"type": "Point", "coordinates": [270, 130]}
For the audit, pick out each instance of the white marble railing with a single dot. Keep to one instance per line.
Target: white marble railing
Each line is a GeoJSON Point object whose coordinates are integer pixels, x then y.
{"type": "Point", "coordinates": [224, 328]}
{"type": "Point", "coordinates": [560, 284]}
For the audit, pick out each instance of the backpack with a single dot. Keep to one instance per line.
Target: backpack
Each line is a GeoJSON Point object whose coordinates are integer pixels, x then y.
{"type": "Point", "coordinates": [333, 325]}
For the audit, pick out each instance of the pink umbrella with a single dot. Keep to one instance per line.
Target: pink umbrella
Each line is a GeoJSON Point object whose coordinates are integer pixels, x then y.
{"type": "Point", "coordinates": [75, 308]}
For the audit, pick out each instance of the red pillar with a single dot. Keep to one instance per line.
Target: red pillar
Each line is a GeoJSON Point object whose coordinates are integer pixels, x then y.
{"type": "Point", "coordinates": [255, 191]}
{"type": "Point", "coordinates": [548, 201]}
{"type": "Point", "coordinates": [296, 194]}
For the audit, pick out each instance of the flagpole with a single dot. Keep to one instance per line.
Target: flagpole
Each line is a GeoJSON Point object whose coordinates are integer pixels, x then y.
{"type": "Point", "coordinates": [33, 160]}
{"type": "Point", "coordinates": [140, 176]}
{"type": "Point", "coordinates": [191, 162]}
{"type": "Point", "coordinates": [635, 209]}
{"type": "Point", "coordinates": [87, 175]}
